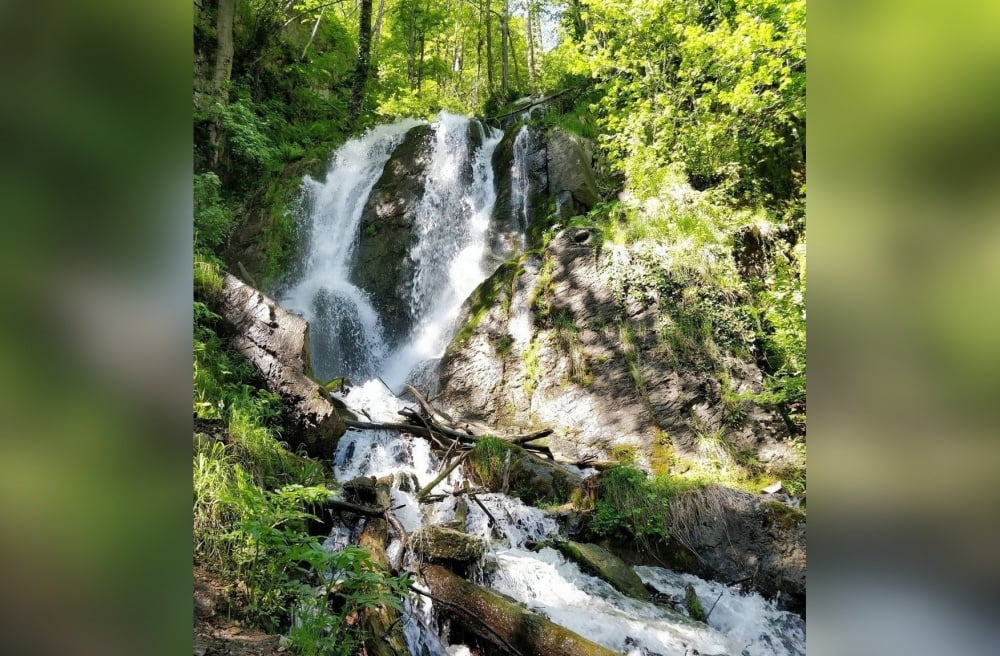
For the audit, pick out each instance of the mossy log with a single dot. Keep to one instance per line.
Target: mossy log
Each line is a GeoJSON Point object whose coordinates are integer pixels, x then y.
{"type": "Point", "coordinates": [383, 625]}
{"type": "Point", "coordinates": [600, 562]}
{"type": "Point", "coordinates": [440, 543]}
{"type": "Point", "coordinates": [512, 629]}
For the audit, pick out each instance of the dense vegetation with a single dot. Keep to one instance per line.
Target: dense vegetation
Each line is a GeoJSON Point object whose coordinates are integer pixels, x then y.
{"type": "Point", "coordinates": [698, 111]}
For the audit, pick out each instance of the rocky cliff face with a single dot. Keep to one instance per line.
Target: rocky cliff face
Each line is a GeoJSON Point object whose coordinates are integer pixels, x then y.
{"type": "Point", "coordinates": [575, 339]}
{"type": "Point", "coordinates": [571, 176]}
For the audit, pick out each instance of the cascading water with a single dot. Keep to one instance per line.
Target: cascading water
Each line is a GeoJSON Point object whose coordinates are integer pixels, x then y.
{"type": "Point", "coordinates": [342, 314]}
{"type": "Point", "coordinates": [451, 223]}
{"type": "Point", "coordinates": [520, 180]}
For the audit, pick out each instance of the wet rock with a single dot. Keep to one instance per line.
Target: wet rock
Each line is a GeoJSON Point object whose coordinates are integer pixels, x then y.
{"type": "Point", "coordinates": [603, 564]}
{"type": "Point", "coordinates": [276, 344]}
{"type": "Point", "coordinates": [570, 176]}
{"type": "Point", "coordinates": [506, 222]}
{"type": "Point", "coordinates": [693, 604]}
{"type": "Point", "coordinates": [438, 543]}
{"type": "Point", "coordinates": [382, 265]}
{"type": "Point", "coordinates": [731, 536]}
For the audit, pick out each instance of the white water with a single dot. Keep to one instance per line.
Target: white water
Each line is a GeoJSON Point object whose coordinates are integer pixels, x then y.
{"type": "Point", "coordinates": [451, 226]}
{"type": "Point", "coordinates": [520, 180]}
{"type": "Point", "coordinates": [451, 223]}
{"type": "Point", "coordinates": [324, 295]}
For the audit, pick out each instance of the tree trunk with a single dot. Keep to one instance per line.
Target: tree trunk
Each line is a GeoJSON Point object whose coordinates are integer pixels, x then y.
{"type": "Point", "coordinates": [504, 45]}
{"type": "Point", "coordinates": [276, 344]}
{"type": "Point", "coordinates": [377, 29]}
{"type": "Point", "coordinates": [514, 630]}
{"type": "Point", "coordinates": [224, 20]}
{"type": "Point", "coordinates": [364, 52]}
{"type": "Point", "coordinates": [489, 46]}
{"type": "Point", "coordinates": [531, 47]}
{"type": "Point", "coordinates": [382, 625]}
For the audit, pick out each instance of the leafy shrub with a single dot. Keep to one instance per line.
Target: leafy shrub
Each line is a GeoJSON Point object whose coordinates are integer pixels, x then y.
{"type": "Point", "coordinates": [628, 504]}
{"type": "Point", "coordinates": [212, 219]}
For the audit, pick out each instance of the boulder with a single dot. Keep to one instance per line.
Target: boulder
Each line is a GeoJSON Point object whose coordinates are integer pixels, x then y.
{"type": "Point", "coordinates": [603, 564]}
{"type": "Point", "coordinates": [438, 543]}
{"type": "Point", "coordinates": [728, 535]}
{"type": "Point", "coordinates": [570, 176]}
{"type": "Point", "coordinates": [383, 266]}
{"type": "Point", "coordinates": [276, 343]}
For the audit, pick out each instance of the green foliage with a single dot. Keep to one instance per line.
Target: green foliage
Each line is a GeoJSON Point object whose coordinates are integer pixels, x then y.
{"type": "Point", "coordinates": [489, 460]}
{"type": "Point", "coordinates": [245, 133]}
{"type": "Point", "coordinates": [721, 92]}
{"type": "Point", "coordinates": [257, 537]}
{"type": "Point", "coordinates": [212, 219]}
{"type": "Point", "coordinates": [628, 504]}
{"type": "Point", "coordinates": [252, 501]}
{"type": "Point", "coordinates": [207, 276]}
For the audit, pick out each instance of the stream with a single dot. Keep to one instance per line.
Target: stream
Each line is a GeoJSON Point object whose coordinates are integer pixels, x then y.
{"type": "Point", "coordinates": [449, 250]}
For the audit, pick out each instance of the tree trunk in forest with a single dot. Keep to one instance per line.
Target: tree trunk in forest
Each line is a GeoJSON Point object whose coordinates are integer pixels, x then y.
{"type": "Point", "coordinates": [489, 46]}
{"type": "Point", "coordinates": [377, 29]}
{"type": "Point", "coordinates": [224, 21]}
{"type": "Point", "coordinates": [364, 52]}
{"type": "Point", "coordinates": [513, 629]}
{"type": "Point", "coordinates": [531, 47]}
{"type": "Point", "coordinates": [504, 45]}
{"type": "Point", "coordinates": [420, 65]}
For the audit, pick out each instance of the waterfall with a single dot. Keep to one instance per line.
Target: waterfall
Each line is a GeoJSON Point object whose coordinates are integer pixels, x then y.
{"type": "Point", "coordinates": [520, 181]}
{"type": "Point", "coordinates": [341, 314]}
{"type": "Point", "coordinates": [450, 226]}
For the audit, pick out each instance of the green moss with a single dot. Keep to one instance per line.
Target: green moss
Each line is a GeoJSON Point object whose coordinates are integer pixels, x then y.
{"type": "Point", "coordinates": [624, 454]}
{"type": "Point", "coordinates": [781, 514]}
{"type": "Point", "coordinates": [693, 604]}
{"type": "Point", "coordinates": [504, 344]}
{"type": "Point", "coordinates": [661, 456]}
{"type": "Point", "coordinates": [484, 298]}
{"type": "Point", "coordinates": [532, 367]}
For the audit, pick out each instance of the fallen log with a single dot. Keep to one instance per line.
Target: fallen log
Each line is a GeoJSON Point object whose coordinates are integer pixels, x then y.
{"type": "Point", "coordinates": [383, 626]}
{"type": "Point", "coordinates": [276, 344]}
{"type": "Point", "coordinates": [433, 435]}
{"type": "Point", "coordinates": [530, 437]}
{"type": "Point", "coordinates": [430, 410]}
{"type": "Point", "coordinates": [516, 631]}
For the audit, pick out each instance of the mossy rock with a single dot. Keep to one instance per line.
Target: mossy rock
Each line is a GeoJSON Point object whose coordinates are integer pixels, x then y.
{"type": "Point", "coordinates": [439, 543]}
{"type": "Point", "coordinates": [603, 564]}
{"type": "Point", "coordinates": [781, 514]}
{"type": "Point", "coordinates": [530, 478]}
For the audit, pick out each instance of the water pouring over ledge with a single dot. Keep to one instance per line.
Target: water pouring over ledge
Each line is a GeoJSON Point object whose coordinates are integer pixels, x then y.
{"type": "Point", "coordinates": [450, 224]}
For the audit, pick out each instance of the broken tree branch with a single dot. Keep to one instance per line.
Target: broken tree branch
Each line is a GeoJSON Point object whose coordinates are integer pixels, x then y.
{"type": "Point", "coordinates": [443, 475]}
